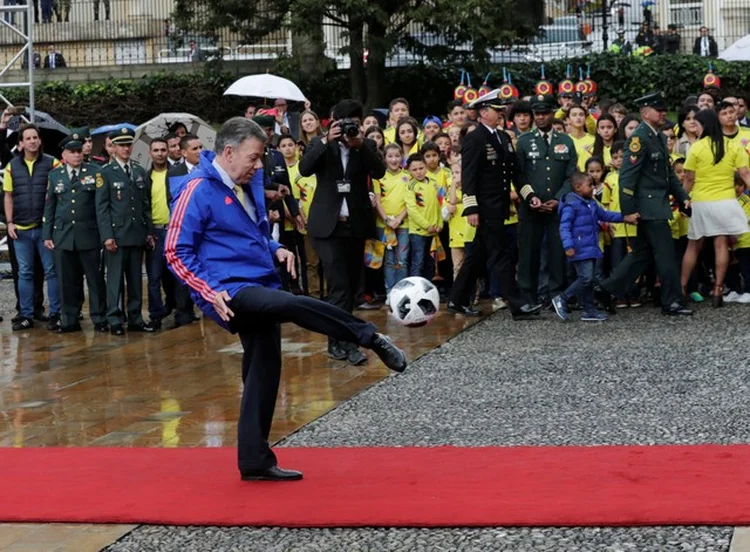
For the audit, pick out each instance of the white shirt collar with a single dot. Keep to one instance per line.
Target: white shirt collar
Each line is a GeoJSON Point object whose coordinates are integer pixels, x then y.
{"type": "Point", "coordinates": [189, 166]}
{"type": "Point", "coordinates": [122, 164]}
{"type": "Point", "coordinates": [225, 178]}
{"type": "Point", "coordinates": [488, 127]}
{"type": "Point", "coordinates": [71, 169]}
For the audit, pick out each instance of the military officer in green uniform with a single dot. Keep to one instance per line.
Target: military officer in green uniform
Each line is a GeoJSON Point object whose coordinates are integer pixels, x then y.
{"type": "Point", "coordinates": [547, 160]}
{"type": "Point", "coordinates": [646, 183]}
{"type": "Point", "coordinates": [70, 230]}
{"type": "Point", "coordinates": [123, 212]}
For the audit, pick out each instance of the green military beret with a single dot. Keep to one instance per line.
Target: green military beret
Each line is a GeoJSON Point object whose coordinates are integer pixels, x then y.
{"type": "Point", "coordinates": [543, 103]}
{"type": "Point", "coordinates": [72, 141]}
{"type": "Point", "coordinates": [83, 132]}
{"type": "Point", "coordinates": [264, 120]}
{"type": "Point", "coordinates": [655, 100]}
{"type": "Point", "coordinates": [122, 136]}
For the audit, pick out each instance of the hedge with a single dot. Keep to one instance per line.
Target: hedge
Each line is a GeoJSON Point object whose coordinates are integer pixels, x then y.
{"type": "Point", "coordinates": [428, 87]}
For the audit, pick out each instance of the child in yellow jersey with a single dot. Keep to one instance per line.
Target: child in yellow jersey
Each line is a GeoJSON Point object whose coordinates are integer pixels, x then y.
{"type": "Point", "coordinates": [407, 137]}
{"type": "Point", "coordinates": [423, 205]}
{"type": "Point", "coordinates": [292, 237]}
{"type": "Point", "coordinates": [390, 204]}
{"type": "Point", "coordinates": [584, 142]}
{"type": "Point", "coordinates": [431, 153]}
{"type": "Point", "coordinates": [622, 235]}
{"type": "Point", "coordinates": [740, 282]}
{"type": "Point", "coordinates": [678, 225]}
{"type": "Point", "coordinates": [595, 169]}
{"type": "Point", "coordinates": [461, 232]}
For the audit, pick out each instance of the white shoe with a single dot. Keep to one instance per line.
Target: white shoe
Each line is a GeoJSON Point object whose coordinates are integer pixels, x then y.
{"type": "Point", "coordinates": [499, 304]}
{"type": "Point", "coordinates": [744, 299]}
{"type": "Point", "coordinates": [733, 297]}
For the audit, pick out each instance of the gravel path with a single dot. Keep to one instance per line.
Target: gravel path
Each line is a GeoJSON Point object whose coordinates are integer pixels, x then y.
{"type": "Point", "coordinates": [638, 379]}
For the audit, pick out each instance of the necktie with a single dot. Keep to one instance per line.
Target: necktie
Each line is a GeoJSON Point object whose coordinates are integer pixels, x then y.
{"type": "Point", "coordinates": [52, 61]}
{"type": "Point", "coordinates": [545, 137]}
{"type": "Point", "coordinates": [127, 170]}
{"type": "Point", "coordinates": [240, 193]}
{"type": "Point", "coordinates": [74, 176]}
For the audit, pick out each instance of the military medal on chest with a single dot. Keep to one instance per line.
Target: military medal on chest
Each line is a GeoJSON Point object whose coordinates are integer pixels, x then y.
{"type": "Point", "coordinates": [491, 154]}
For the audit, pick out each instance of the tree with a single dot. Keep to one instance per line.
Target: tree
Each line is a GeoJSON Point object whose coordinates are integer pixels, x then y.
{"type": "Point", "coordinates": [378, 27]}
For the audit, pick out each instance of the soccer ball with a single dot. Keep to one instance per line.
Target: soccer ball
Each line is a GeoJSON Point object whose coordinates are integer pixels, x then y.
{"type": "Point", "coordinates": [414, 301]}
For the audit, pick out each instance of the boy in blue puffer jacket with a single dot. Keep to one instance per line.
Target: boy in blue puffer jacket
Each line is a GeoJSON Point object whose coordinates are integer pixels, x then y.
{"type": "Point", "coordinates": [580, 215]}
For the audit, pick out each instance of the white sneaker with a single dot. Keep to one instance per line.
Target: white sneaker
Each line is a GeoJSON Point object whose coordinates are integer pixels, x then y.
{"type": "Point", "coordinates": [499, 304]}
{"type": "Point", "coordinates": [733, 297]}
{"type": "Point", "coordinates": [744, 299]}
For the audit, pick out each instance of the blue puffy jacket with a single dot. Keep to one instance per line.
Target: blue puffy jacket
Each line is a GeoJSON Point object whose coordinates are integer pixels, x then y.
{"type": "Point", "coordinates": [213, 245]}
{"type": "Point", "coordinates": [579, 225]}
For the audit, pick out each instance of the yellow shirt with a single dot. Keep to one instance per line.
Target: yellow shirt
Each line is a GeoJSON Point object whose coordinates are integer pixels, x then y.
{"type": "Point", "coordinates": [584, 147]}
{"type": "Point", "coordinates": [423, 205]}
{"type": "Point", "coordinates": [461, 232]}
{"type": "Point", "coordinates": [607, 155]}
{"type": "Point", "coordinates": [159, 207]}
{"type": "Point", "coordinates": [743, 138]}
{"type": "Point", "coordinates": [303, 189]}
{"type": "Point", "coordinates": [392, 192]}
{"type": "Point", "coordinates": [743, 242]}
{"type": "Point", "coordinates": [611, 202]}
{"type": "Point", "coordinates": [442, 176]}
{"type": "Point", "coordinates": [8, 184]}
{"type": "Point", "coordinates": [715, 182]}
{"type": "Point", "coordinates": [513, 217]}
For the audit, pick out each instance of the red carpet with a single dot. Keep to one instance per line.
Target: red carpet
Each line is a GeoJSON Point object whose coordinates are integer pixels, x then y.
{"type": "Point", "coordinates": [407, 487]}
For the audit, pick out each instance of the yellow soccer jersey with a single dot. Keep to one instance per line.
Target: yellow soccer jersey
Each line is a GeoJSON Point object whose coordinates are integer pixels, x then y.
{"type": "Point", "coordinates": [423, 204]}
{"type": "Point", "coordinates": [392, 192]}
{"type": "Point", "coordinates": [303, 189]}
{"type": "Point", "coordinates": [584, 147]}
{"type": "Point", "coordinates": [461, 232]}
{"type": "Point", "coordinates": [743, 242]}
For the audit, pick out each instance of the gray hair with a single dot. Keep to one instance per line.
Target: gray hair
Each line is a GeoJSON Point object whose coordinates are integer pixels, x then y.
{"type": "Point", "coordinates": [235, 131]}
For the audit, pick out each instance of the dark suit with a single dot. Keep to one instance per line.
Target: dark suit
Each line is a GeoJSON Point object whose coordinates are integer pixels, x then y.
{"type": "Point", "coordinates": [184, 313]}
{"type": "Point", "coordinates": [488, 168]}
{"type": "Point", "coordinates": [59, 61]}
{"type": "Point", "coordinates": [713, 48]}
{"type": "Point", "coordinates": [340, 241]}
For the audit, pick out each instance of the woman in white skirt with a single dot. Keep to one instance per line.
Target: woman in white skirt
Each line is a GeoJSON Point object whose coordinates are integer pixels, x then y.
{"type": "Point", "coordinates": [709, 179]}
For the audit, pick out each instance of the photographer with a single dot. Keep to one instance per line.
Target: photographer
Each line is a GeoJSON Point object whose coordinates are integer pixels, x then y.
{"type": "Point", "coordinates": [341, 216]}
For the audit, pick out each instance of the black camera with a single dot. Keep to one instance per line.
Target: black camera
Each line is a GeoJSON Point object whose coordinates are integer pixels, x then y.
{"type": "Point", "coordinates": [349, 128]}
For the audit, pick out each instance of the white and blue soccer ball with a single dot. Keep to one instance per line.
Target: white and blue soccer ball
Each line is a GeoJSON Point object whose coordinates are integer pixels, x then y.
{"type": "Point", "coordinates": [414, 302]}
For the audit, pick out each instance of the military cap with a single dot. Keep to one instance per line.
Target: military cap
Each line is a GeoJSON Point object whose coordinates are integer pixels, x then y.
{"type": "Point", "coordinates": [490, 99]}
{"type": "Point", "coordinates": [655, 100]}
{"type": "Point", "coordinates": [543, 103]}
{"type": "Point", "coordinates": [72, 141]}
{"type": "Point", "coordinates": [122, 136]}
{"type": "Point", "coordinates": [264, 120]}
{"type": "Point", "coordinates": [83, 132]}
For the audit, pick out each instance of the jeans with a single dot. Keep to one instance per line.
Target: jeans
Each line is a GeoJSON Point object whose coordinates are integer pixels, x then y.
{"type": "Point", "coordinates": [396, 261]}
{"type": "Point", "coordinates": [156, 268]}
{"type": "Point", "coordinates": [583, 286]}
{"type": "Point", "coordinates": [419, 255]}
{"type": "Point", "coordinates": [27, 243]}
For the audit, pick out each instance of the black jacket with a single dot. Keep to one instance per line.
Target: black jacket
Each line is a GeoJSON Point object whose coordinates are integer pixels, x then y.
{"type": "Point", "coordinates": [323, 159]}
{"type": "Point", "coordinates": [713, 48]}
{"type": "Point", "coordinates": [59, 61]}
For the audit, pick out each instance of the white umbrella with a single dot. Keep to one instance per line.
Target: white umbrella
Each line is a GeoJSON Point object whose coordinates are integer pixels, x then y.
{"type": "Point", "coordinates": [266, 86]}
{"type": "Point", "coordinates": [159, 126]}
{"type": "Point", "coordinates": [739, 51]}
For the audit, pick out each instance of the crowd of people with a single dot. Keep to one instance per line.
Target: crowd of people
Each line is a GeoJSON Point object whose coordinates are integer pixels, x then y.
{"type": "Point", "coordinates": [364, 199]}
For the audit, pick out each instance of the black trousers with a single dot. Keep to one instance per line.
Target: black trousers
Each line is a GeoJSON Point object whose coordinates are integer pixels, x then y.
{"type": "Point", "coordinates": [531, 232]}
{"type": "Point", "coordinates": [492, 251]}
{"type": "Point", "coordinates": [38, 278]}
{"type": "Point", "coordinates": [342, 255]}
{"type": "Point", "coordinates": [184, 313]}
{"type": "Point", "coordinates": [654, 241]}
{"type": "Point", "coordinates": [258, 312]}
{"type": "Point", "coordinates": [126, 262]}
{"type": "Point", "coordinates": [71, 267]}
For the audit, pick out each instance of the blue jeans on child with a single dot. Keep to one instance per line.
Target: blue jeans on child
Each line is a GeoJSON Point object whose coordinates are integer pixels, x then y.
{"type": "Point", "coordinates": [583, 286]}
{"type": "Point", "coordinates": [27, 243]}
{"type": "Point", "coordinates": [420, 253]}
{"type": "Point", "coordinates": [396, 261]}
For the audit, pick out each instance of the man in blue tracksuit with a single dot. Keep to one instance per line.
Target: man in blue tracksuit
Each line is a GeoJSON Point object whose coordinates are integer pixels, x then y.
{"type": "Point", "coordinates": [218, 245]}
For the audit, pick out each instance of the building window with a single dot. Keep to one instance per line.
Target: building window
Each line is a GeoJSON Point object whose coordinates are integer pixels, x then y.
{"type": "Point", "coordinates": [686, 13]}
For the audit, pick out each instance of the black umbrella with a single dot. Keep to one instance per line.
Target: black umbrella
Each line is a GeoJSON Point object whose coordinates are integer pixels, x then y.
{"type": "Point", "coordinates": [50, 131]}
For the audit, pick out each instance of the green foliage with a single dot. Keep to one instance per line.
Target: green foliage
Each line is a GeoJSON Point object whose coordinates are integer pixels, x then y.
{"type": "Point", "coordinates": [427, 87]}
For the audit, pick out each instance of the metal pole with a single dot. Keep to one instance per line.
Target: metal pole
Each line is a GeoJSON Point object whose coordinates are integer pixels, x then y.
{"type": "Point", "coordinates": [30, 50]}
{"type": "Point", "coordinates": [605, 26]}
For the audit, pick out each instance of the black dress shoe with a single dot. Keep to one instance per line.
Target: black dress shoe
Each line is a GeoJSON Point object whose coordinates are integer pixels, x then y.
{"type": "Point", "coordinates": [39, 316]}
{"type": "Point", "coordinates": [117, 330]}
{"type": "Point", "coordinates": [527, 311]}
{"type": "Point", "coordinates": [146, 327]}
{"type": "Point", "coordinates": [274, 473]}
{"type": "Point", "coordinates": [101, 327]}
{"type": "Point", "coordinates": [460, 309]}
{"type": "Point", "coordinates": [393, 357]}
{"type": "Point", "coordinates": [155, 324]}
{"type": "Point", "coordinates": [355, 357]}
{"type": "Point", "coordinates": [337, 352]}
{"type": "Point", "coordinates": [69, 329]}
{"type": "Point", "coordinates": [676, 309]}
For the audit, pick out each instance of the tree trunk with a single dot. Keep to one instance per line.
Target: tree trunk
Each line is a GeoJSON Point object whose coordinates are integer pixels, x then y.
{"type": "Point", "coordinates": [356, 55]}
{"type": "Point", "coordinates": [377, 48]}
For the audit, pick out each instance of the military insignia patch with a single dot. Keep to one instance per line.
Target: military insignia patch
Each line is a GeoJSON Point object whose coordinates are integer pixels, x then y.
{"type": "Point", "coordinates": [635, 144]}
{"type": "Point", "coordinates": [124, 130]}
{"type": "Point", "coordinates": [561, 148]}
{"type": "Point", "coordinates": [75, 137]}
{"type": "Point", "coordinates": [634, 159]}
{"type": "Point", "coordinates": [99, 181]}
{"type": "Point", "coordinates": [627, 191]}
